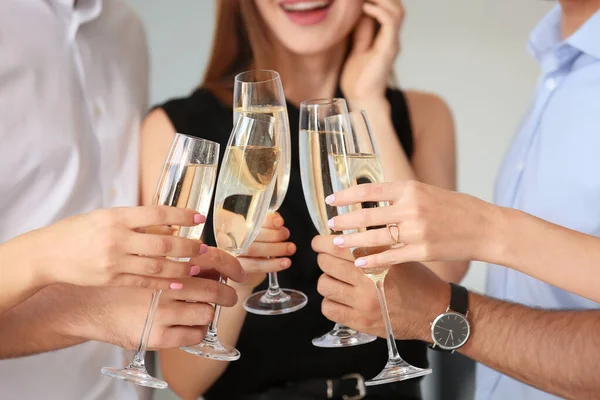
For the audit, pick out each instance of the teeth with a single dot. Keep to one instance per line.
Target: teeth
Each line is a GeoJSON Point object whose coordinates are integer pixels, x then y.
{"type": "Point", "coordinates": [305, 5]}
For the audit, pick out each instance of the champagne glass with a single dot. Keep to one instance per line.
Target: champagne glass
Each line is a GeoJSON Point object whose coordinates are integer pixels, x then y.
{"type": "Point", "coordinates": [187, 181]}
{"type": "Point", "coordinates": [357, 163]}
{"type": "Point", "coordinates": [244, 190]}
{"type": "Point", "coordinates": [261, 92]}
{"type": "Point", "coordinates": [316, 184]}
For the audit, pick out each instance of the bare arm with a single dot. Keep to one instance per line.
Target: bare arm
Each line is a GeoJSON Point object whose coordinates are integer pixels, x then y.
{"type": "Point", "coordinates": [559, 256]}
{"type": "Point", "coordinates": [555, 351]}
{"type": "Point", "coordinates": [18, 278]}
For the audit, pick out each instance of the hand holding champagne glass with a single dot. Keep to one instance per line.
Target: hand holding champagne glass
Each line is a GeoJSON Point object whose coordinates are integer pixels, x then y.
{"type": "Point", "coordinates": [353, 163]}
{"type": "Point", "coordinates": [187, 181]}
{"type": "Point", "coordinates": [316, 143]}
{"type": "Point", "coordinates": [244, 191]}
{"type": "Point", "coordinates": [261, 92]}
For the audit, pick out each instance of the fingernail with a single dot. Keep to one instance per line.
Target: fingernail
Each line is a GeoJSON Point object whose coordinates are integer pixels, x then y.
{"type": "Point", "coordinates": [285, 263]}
{"type": "Point", "coordinates": [330, 199]}
{"type": "Point", "coordinates": [199, 218]}
{"type": "Point", "coordinates": [203, 249]}
{"type": "Point", "coordinates": [330, 223]}
{"type": "Point", "coordinates": [287, 232]}
{"type": "Point", "coordinates": [195, 270]}
{"type": "Point", "coordinates": [176, 286]}
{"type": "Point", "coordinates": [291, 248]}
{"type": "Point", "coordinates": [278, 222]}
{"type": "Point", "coordinates": [360, 262]}
{"type": "Point", "coordinates": [338, 240]}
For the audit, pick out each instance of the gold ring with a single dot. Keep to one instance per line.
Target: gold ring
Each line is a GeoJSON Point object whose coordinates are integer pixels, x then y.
{"type": "Point", "coordinates": [394, 232]}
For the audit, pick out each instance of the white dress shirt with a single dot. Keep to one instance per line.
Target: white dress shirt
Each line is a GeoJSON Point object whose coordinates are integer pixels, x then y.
{"type": "Point", "coordinates": [73, 90]}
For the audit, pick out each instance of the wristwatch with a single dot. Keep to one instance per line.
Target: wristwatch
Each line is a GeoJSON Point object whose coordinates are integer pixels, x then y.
{"type": "Point", "coordinates": [451, 329]}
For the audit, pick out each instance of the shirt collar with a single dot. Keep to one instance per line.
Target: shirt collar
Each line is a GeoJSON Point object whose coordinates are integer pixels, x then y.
{"type": "Point", "coordinates": [546, 35]}
{"type": "Point", "coordinates": [587, 38]}
{"type": "Point", "coordinates": [77, 15]}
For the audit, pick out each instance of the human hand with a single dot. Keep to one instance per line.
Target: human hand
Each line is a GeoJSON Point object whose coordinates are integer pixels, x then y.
{"type": "Point", "coordinates": [117, 315]}
{"type": "Point", "coordinates": [259, 259]}
{"type": "Point", "coordinates": [367, 70]}
{"type": "Point", "coordinates": [415, 295]}
{"type": "Point", "coordinates": [109, 247]}
{"type": "Point", "coordinates": [433, 224]}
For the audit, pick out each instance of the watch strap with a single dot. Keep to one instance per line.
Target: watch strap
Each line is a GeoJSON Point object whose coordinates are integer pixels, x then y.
{"type": "Point", "coordinates": [459, 299]}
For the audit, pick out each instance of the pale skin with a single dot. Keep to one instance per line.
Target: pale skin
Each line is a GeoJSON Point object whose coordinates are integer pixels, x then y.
{"type": "Point", "coordinates": [436, 224]}
{"type": "Point", "coordinates": [522, 342]}
{"type": "Point", "coordinates": [309, 73]}
{"type": "Point", "coordinates": [104, 252]}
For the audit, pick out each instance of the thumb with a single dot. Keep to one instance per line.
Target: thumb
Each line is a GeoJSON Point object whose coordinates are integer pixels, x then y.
{"type": "Point", "coordinates": [363, 34]}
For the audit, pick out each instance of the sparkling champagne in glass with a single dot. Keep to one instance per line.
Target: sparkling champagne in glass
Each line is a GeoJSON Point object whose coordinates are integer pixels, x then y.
{"type": "Point", "coordinates": [244, 191]}
{"type": "Point", "coordinates": [316, 142]}
{"type": "Point", "coordinates": [187, 181]}
{"type": "Point", "coordinates": [261, 92]}
{"type": "Point", "coordinates": [354, 163]}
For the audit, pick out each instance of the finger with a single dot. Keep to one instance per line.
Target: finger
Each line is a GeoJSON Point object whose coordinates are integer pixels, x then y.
{"type": "Point", "coordinates": [172, 313]}
{"type": "Point", "coordinates": [342, 270]}
{"type": "Point", "coordinates": [324, 244]}
{"type": "Point", "coordinates": [260, 249]}
{"type": "Point", "coordinates": [140, 217]}
{"type": "Point", "coordinates": [344, 315]}
{"type": "Point", "coordinates": [272, 235]}
{"type": "Point", "coordinates": [147, 282]}
{"type": "Point", "coordinates": [273, 221]}
{"type": "Point", "coordinates": [335, 290]}
{"type": "Point", "coordinates": [205, 291]}
{"type": "Point", "coordinates": [388, 191]}
{"type": "Point", "coordinates": [363, 34]}
{"type": "Point", "coordinates": [365, 217]}
{"type": "Point", "coordinates": [265, 265]}
{"type": "Point", "coordinates": [401, 255]}
{"type": "Point", "coordinates": [369, 238]}
{"type": "Point", "coordinates": [178, 336]}
{"type": "Point", "coordinates": [157, 267]}
{"type": "Point", "coordinates": [220, 261]}
{"type": "Point", "coordinates": [388, 37]}
{"type": "Point", "coordinates": [164, 246]}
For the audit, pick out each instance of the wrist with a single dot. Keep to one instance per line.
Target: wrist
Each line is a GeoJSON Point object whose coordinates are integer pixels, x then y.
{"type": "Point", "coordinates": [492, 237]}
{"type": "Point", "coordinates": [374, 104]}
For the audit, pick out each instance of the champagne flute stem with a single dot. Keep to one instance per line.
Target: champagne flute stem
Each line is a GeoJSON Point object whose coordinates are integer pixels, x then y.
{"type": "Point", "coordinates": [274, 289]}
{"type": "Point", "coordinates": [393, 354]}
{"type": "Point", "coordinates": [211, 333]}
{"type": "Point", "coordinates": [140, 355]}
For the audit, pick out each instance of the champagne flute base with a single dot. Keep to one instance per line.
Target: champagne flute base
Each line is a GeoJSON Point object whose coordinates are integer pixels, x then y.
{"type": "Point", "coordinates": [284, 302]}
{"type": "Point", "coordinates": [139, 376]}
{"type": "Point", "coordinates": [397, 371]}
{"type": "Point", "coordinates": [214, 351]}
{"type": "Point", "coordinates": [343, 337]}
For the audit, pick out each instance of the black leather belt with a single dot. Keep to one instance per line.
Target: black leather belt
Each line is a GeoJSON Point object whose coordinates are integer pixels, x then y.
{"type": "Point", "coordinates": [348, 387]}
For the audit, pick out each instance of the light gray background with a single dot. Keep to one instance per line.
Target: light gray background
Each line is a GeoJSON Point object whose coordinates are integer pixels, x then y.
{"type": "Point", "coordinates": [471, 52]}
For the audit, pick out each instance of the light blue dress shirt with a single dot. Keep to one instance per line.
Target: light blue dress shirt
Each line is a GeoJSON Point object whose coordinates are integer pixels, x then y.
{"type": "Point", "coordinates": [551, 170]}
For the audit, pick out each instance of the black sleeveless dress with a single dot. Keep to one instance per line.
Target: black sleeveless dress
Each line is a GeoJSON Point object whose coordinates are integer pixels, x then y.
{"type": "Point", "coordinates": [277, 350]}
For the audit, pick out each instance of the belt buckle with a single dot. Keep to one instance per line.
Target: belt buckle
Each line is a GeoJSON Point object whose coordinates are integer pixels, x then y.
{"type": "Point", "coordinates": [360, 387]}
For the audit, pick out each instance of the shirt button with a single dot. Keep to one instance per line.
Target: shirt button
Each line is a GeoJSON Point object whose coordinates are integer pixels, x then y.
{"type": "Point", "coordinates": [551, 84]}
{"type": "Point", "coordinates": [520, 166]}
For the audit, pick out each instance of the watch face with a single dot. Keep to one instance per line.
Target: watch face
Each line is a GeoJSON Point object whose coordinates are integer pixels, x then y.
{"type": "Point", "coordinates": [450, 330]}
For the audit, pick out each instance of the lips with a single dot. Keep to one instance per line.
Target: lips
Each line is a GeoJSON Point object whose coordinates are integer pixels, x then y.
{"type": "Point", "coordinates": [306, 12]}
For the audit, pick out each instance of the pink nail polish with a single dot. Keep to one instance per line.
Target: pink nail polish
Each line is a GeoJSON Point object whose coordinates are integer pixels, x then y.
{"type": "Point", "coordinates": [330, 199]}
{"type": "Point", "coordinates": [330, 223]}
{"type": "Point", "coordinates": [176, 286]}
{"type": "Point", "coordinates": [203, 249]}
{"type": "Point", "coordinates": [360, 262]}
{"type": "Point", "coordinates": [285, 263]}
{"type": "Point", "coordinates": [338, 241]}
{"type": "Point", "coordinates": [199, 218]}
{"type": "Point", "coordinates": [195, 270]}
